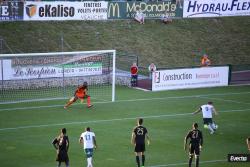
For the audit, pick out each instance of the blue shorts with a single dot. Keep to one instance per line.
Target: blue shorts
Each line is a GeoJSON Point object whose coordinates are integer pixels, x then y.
{"type": "Point", "coordinates": [89, 152]}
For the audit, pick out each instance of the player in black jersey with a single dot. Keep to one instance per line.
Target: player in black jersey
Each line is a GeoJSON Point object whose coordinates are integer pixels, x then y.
{"type": "Point", "coordinates": [195, 144]}
{"type": "Point", "coordinates": [61, 144]}
{"type": "Point", "coordinates": [139, 134]}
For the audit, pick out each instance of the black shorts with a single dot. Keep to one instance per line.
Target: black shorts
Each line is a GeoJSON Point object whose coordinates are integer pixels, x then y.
{"type": "Point", "coordinates": [140, 148]}
{"type": "Point", "coordinates": [207, 121]}
{"type": "Point", "coordinates": [62, 156]}
{"type": "Point", "coordinates": [194, 149]}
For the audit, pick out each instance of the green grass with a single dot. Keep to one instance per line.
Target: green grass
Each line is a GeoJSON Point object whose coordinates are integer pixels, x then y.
{"type": "Point", "coordinates": [226, 40]}
{"type": "Point", "coordinates": [26, 133]}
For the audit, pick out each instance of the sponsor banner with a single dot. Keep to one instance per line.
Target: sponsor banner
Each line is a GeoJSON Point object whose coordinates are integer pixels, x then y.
{"type": "Point", "coordinates": [216, 8]}
{"type": "Point", "coordinates": [59, 10]}
{"type": "Point", "coordinates": [11, 11]}
{"type": "Point", "coordinates": [190, 78]}
{"type": "Point", "coordinates": [32, 68]}
{"type": "Point", "coordinates": [153, 10]}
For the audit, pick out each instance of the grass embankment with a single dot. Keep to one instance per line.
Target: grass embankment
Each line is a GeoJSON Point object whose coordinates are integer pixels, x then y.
{"type": "Point", "coordinates": [226, 40]}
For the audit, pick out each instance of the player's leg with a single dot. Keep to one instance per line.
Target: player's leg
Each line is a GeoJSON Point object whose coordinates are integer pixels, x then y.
{"type": "Point", "coordinates": [71, 101]}
{"type": "Point", "coordinates": [191, 155]}
{"type": "Point", "coordinates": [137, 153]}
{"type": "Point", "coordinates": [89, 154]}
{"type": "Point", "coordinates": [207, 124]}
{"type": "Point", "coordinates": [142, 149]}
{"type": "Point", "coordinates": [88, 101]}
{"type": "Point", "coordinates": [67, 163]}
{"type": "Point", "coordinates": [197, 160]}
{"type": "Point", "coordinates": [59, 164]}
{"type": "Point", "coordinates": [214, 126]}
{"type": "Point", "coordinates": [137, 159]}
{"type": "Point", "coordinates": [197, 156]}
{"type": "Point", "coordinates": [142, 158]}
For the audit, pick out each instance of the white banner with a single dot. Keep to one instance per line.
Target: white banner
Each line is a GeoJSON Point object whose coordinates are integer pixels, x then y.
{"type": "Point", "coordinates": [216, 8]}
{"type": "Point", "coordinates": [190, 78]}
{"type": "Point", "coordinates": [49, 71]}
{"type": "Point", "coordinates": [59, 10]}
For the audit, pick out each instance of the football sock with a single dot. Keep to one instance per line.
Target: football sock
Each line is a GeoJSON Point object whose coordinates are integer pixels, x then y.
{"type": "Point", "coordinates": [210, 128]}
{"type": "Point", "coordinates": [197, 161]}
{"type": "Point", "coordinates": [59, 164]}
{"type": "Point", "coordinates": [89, 162]}
{"type": "Point", "coordinates": [88, 101]}
{"type": "Point", "coordinates": [138, 161]}
{"type": "Point", "coordinates": [190, 161]}
{"type": "Point", "coordinates": [143, 159]}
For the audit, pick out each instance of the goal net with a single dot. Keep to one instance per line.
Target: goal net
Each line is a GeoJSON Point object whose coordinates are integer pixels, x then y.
{"type": "Point", "coordinates": [51, 76]}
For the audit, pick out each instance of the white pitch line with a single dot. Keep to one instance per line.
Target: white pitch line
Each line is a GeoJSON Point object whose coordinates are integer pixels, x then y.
{"type": "Point", "coordinates": [233, 101]}
{"type": "Point", "coordinates": [185, 163]}
{"type": "Point", "coordinates": [109, 120]}
{"type": "Point", "coordinates": [129, 100]}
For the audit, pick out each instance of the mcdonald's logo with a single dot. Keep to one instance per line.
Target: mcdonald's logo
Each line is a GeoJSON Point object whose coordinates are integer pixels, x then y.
{"type": "Point", "coordinates": [114, 10]}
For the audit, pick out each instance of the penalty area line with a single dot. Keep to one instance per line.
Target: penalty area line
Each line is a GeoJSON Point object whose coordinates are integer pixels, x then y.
{"type": "Point", "coordinates": [185, 163]}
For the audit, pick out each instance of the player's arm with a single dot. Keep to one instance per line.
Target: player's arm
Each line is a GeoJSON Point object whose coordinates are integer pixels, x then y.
{"type": "Point", "coordinates": [215, 112]}
{"type": "Point", "coordinates": [94, 141]}
{"type": "Point", "coordinates": [197, 111]}
{"type": "Point", "coordinates": [185, 141]}
{"type": "Point", "coordinates": [133, 138]}
{"type": "Point", "coordinates": [67, 143]}
{"type": "Point", "coordinates": [147, 137]}
{"type": "Point", "coordinates": [81, 140]}
{"type": "Point", "coordinates": [55, 143]}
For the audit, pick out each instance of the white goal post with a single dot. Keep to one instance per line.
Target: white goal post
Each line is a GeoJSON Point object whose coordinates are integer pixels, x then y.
{"type": "Point", "coordinates": [55, 75]}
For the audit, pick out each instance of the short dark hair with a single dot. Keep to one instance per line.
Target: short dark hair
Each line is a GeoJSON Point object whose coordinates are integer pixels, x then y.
{"type": "Point", "coordinates": [88, 129]}
{"type": "Point", "coordinates": [140, 121]}
{"type": "Point", "coordinates": [63, 130]}
{"type": "Point", "coordinates": [210, 102]}
{"type": "Point", "coordinates": [85, 83]}
{"type": "Point", "coordinates": [195, 125]}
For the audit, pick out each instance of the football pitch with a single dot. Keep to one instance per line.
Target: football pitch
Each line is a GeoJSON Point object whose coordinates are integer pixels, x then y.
{"type": "Point", "coordinates": [27, 129]}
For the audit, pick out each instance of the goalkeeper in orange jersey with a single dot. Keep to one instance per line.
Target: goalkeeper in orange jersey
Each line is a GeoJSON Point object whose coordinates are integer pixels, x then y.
{"type": "Point", "coordinates": [80, 93]}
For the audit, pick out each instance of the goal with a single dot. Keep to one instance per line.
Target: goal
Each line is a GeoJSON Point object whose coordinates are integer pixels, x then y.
{"type": "Point", "coordinates": [52, 76]}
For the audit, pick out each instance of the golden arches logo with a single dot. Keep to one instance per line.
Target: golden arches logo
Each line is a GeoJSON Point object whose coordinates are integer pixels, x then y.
{"type": "Point", "coordinates": [115, 9]}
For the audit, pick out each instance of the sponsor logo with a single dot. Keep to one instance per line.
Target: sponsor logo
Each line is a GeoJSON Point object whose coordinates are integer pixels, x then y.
{"type": "Point", "coordinates": [157, 77]}
{"type": "Point", "coordinates": [31, 10]}
{"type": "Point", "coordinates": [50, 11]}
{"type": "Point", "coordinates": [216, 8]}
{"type": "Point", "coordinates": [151, 7]}
{"type": "Point", "coordinates": [114, 10]}
{"type": "Point", "coordinates": [4, 11]}
{"type": "Point", "coordinates": [183, 76]}
{"type": "Point", "coordinates": [238, 157]}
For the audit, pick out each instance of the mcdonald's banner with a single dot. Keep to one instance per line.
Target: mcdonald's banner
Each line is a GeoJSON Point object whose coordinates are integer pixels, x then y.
{"type": "Point", "coordinates": [152, 10]}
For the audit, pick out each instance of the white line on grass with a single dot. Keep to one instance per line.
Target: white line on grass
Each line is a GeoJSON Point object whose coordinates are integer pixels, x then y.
{"type": "Point", "coordinates": [185, 163]}
{"type": "Point", "coordinates": [109, 120]}
{"type": "Point", "coordinates": [233, 101]}
{"type": "Point", "coordinates": [129, 100]}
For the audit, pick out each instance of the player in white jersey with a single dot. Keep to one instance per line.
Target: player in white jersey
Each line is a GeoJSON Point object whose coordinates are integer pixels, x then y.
{"type": "Point", "coordinates": [88, 140]}
{"type": "Point", "coordinates": [207, 112]}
